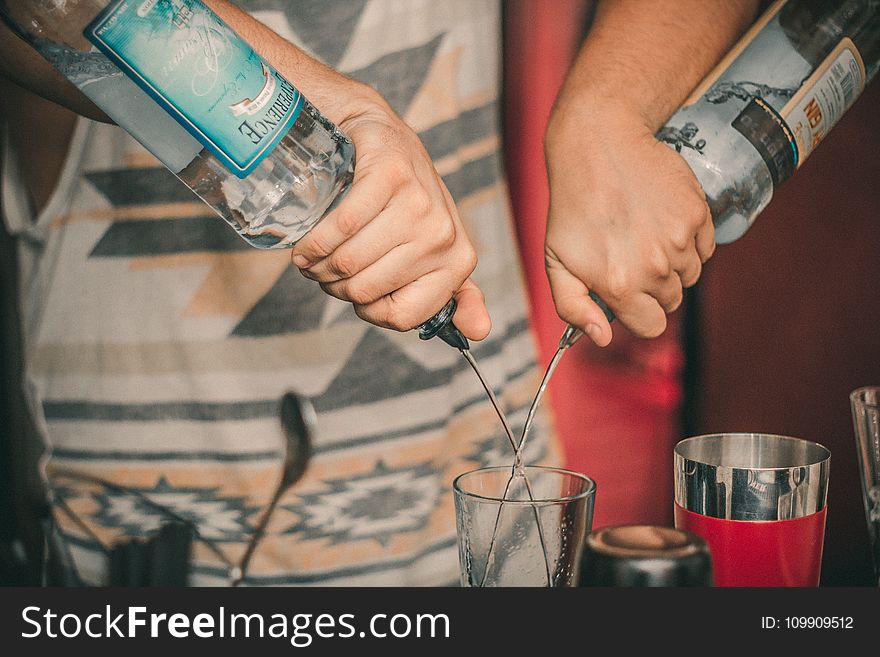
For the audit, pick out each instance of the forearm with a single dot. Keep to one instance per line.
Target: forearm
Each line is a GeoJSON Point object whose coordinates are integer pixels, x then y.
{"type": "Point", "coordinates": [330, 91]}
{"type": "Point", "coordinates": [333, 93]}
{"type": "Point", "coordinates": [22, 66]}
{"type": "Point", "coordinates": [643, 57]}
{"type": "Point", "coordinates": [628, 219]}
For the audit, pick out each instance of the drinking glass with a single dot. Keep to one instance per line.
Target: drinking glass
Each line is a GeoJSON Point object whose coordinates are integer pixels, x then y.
{"type": "Point", "coordinates": [865, 404]}
{"type": "Point", "coordinates": [522, 530]}
{"type": "Point", "coordinates": [759, 501]}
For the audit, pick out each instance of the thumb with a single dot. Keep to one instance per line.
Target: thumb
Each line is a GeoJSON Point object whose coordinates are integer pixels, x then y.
{"type": "Point", "coordinates": [471, 316]}
{"type": "Point", "coordinates": [574, 305]}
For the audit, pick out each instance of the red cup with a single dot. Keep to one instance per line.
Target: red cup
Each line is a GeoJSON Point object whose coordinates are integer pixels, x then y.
{"type": "Point", "coordinates": [759, 502]}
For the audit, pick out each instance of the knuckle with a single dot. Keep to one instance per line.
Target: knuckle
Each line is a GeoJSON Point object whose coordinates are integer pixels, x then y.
{"type": "Point", "coordinates": [688, 200]}
{"type": "Point", "coordinates": [711, 250]}
{"type": "Point", "coordinates": [399, 320]}
{"type": "Point", "coordinates": [370, 315]}
{"type": "Point", "coordinates": [706, 221]}
{"type": "Point", "coordinates": [333, 290]}
{"type": "Point", "coordinates": [620, 285]}
{"type": "Point", "coordinates": [681, 237]}
{"type": "Point", "coordinates": [692, 275]}
{"type": "Point", "coordinates": [696, 211]}
{"type": "Point", "coordinates": [420, 203]}
{"type": "Point", "coordinates": [397, 323]}
{"type": "Point", "coordinates": [319, 246]}
{"type": "Point", "coordinates": [469, 260]}
{"type": "Point", "coordinates": [398, 171]}
{"type": "Point", "coordinates": [361, 293]}
{"type": "Point", "coordinates": [445, 234]}
{"type": "Point", "coordinates": [401, 316]}
{"type": "Point", "coordinates": [657, 262]}
{"type": "Point", "coordinates": [676, 302]}
{"type": "Point", "coordinates": [348, 223]}
{"type": "Point", "coordinates": [342, 264]}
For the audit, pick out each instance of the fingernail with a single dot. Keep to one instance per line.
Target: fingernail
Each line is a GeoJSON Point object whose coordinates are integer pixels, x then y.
{"type": "Point", "coordinates": [301, 261]}
{"type": "Point", "coordinates": [593, 331]}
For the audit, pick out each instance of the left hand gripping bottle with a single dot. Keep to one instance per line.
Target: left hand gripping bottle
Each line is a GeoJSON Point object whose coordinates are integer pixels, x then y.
{"type": "Point", "coordinates": [199, 98]}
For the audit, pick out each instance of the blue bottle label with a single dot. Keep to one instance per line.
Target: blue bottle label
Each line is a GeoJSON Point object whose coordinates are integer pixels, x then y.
{"type": "Point", "coordinates": [202, 73]}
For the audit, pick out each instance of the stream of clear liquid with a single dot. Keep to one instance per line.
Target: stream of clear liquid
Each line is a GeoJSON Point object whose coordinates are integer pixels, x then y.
{"type": "Point", "coordinates": [533, 409]}
{"type": "Point", "coordinates": [517, 470]}
{"type": "Point", "coordinates": [501, 416]}
{"type": "Point", "coordinates": [568, 338]}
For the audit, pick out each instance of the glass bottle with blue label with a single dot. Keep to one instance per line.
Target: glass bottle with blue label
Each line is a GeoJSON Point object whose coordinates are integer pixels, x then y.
{"type": "Point", "coordinates": [197, 96]}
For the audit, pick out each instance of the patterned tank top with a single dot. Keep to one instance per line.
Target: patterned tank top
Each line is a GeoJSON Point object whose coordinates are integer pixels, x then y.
{"type": "Point", "coordinates": [158, 344]}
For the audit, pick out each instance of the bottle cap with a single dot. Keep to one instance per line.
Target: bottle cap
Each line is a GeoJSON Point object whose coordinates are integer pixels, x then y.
{"type": "Point", "coordinates": [644, 555]}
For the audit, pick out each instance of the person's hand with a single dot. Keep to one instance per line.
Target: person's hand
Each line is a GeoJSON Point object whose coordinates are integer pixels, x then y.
{"type": "Point", "coordinates": [395, 246]}
{"type": "Point", "coordinates": [628, 220]}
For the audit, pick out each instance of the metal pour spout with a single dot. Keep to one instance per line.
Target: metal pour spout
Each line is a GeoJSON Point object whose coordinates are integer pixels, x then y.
{"type": "Point", "coordinates": [441, 326]}
{"type": "Point", "coordinates": [572, 334]}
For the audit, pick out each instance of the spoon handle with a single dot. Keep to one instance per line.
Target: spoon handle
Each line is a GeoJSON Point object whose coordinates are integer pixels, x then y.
{"type": "Point", "coordinates": [238, 573]}
{"type": "Point", "coordinates": [298, 423]}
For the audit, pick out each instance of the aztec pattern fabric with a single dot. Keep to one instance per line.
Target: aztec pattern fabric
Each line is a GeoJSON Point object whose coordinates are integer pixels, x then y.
{"type": "Point", "coordinates": [158, 343]}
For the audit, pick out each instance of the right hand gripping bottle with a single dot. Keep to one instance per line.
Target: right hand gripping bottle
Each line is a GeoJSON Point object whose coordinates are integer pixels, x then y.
{"type": "Point", "coordinates": [758, 115]}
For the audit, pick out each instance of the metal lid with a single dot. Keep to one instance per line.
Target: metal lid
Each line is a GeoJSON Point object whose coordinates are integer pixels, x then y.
{"type": "Point", "coordinates": [751, 476]}
{"type": "Point", "coordinates": [645, 555]}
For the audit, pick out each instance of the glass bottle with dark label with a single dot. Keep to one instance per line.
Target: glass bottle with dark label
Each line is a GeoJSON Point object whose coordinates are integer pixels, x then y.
{"type": "Point", "coordinates": [760, 113]}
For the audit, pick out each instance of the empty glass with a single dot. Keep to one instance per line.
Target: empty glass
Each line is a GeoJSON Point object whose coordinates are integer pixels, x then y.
{"type": "Point", "coordinates": [865, 404]}
{"type": "Point", "coordinates": [522, 530]}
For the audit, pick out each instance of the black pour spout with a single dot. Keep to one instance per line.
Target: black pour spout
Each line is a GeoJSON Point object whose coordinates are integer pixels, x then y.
{"type": "Point", "coordinates": [441, 325]}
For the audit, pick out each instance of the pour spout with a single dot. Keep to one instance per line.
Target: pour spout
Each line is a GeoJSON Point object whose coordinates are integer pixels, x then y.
{"type": "Point", "coordinates": [572, 334]}
{"type": "Point", "coordinates": [441, 326]}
